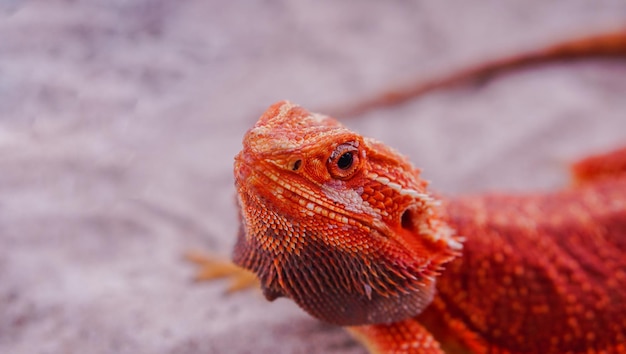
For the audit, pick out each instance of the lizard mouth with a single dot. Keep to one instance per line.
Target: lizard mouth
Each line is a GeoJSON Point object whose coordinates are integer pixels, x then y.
{"type": "Point", "coordinates": [242, 167]}
{"type": "Point", "coordinates": [259, 181]}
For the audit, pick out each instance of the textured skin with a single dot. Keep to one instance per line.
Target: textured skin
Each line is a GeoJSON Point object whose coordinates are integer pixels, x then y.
{"type": "Point", "coordinates": [304, 219]}
{"type": "Point", "coordinates": [540, 273]}
{"type": "Point", "coordinates": [358, 241]}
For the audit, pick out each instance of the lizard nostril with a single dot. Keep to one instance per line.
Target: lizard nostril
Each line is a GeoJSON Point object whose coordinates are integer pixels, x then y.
{"type": "Point", "coordinates": [296, 165]}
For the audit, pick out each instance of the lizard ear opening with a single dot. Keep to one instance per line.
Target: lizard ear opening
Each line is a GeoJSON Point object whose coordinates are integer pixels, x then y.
{"type": "Point", "coordinates": [406, 220]}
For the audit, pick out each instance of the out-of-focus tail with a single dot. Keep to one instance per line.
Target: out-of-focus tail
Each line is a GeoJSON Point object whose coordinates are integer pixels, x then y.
{"type": "Point", "coordinates": [610, 44]}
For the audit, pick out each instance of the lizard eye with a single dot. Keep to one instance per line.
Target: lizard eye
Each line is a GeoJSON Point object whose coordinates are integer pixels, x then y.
{"type": "Point", "coordinates": [344, 161]}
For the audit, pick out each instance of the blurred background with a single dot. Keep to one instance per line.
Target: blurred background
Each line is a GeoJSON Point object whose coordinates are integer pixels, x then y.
{"type": "Point", "coordinates": [119, 121]}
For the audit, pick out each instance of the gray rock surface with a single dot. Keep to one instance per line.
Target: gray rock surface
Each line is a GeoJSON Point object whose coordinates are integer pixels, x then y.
{"type": "Point", "coordinates": [119, 121]}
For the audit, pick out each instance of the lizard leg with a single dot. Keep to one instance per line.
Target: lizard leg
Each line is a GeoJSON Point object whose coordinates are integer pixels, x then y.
{"type": "Point", "coordinates": [610, 164]}
{"type": "Point", "coordinates": [210, 268]}
{"type": "Point", "coordinates": [408, 337]}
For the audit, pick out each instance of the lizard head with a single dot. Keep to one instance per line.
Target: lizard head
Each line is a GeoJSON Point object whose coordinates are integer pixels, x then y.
{"type": "Point", "coordinates": [341, 224]}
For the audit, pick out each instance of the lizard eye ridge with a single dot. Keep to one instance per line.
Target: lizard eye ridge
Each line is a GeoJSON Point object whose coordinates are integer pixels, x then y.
{"type": "Point", "coordinates": [344, 161]}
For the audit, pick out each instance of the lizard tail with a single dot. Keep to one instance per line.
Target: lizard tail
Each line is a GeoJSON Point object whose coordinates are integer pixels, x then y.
{"type": "Point", "coordinates": [604, 45]}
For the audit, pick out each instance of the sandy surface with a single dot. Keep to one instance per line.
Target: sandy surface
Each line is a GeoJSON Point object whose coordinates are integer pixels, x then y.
{"type": "Point", "coordinates": [119, 121]}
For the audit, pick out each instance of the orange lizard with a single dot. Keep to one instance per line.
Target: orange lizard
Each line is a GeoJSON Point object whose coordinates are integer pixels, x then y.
{"type": "Point", "coordinates": [345, 226]}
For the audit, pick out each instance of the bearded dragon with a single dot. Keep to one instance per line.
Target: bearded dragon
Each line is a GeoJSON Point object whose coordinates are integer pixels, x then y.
{"type": "Point", "coordinates": [346, 227]}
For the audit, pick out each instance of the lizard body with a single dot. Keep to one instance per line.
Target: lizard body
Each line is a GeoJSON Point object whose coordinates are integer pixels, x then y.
{"type": "Point", "coordinates": [346, 227]}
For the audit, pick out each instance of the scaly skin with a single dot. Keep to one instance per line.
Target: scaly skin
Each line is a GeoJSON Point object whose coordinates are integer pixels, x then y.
{"type": "Point", "coordinates": [346, 227]}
